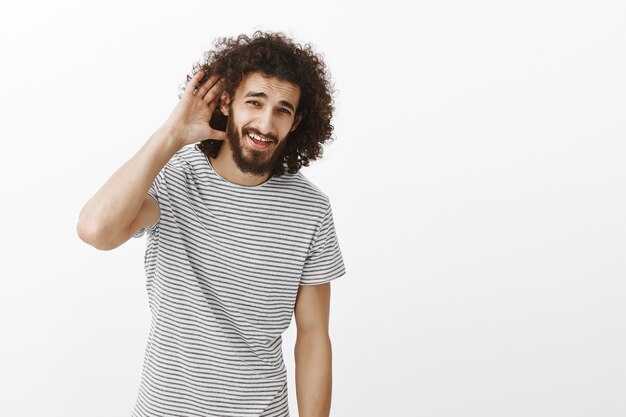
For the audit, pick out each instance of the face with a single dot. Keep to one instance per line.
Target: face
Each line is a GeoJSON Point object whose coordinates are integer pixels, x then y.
{"type": "Point", "coordinates": [260, 117]}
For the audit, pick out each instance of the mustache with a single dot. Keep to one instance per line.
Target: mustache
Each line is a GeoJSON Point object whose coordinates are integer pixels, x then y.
{"type": "Point", "coordinates": [247, 130]}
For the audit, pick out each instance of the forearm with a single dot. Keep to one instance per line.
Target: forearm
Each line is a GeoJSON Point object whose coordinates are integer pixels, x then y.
{"type": "Point", "coordinates": [116, 204]}
{"type": "Point", "coordinates": [313, 355]}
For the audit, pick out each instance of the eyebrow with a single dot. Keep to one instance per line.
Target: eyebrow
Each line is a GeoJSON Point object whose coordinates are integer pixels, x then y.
{"type": "Point", "coordinates": [263, 95]}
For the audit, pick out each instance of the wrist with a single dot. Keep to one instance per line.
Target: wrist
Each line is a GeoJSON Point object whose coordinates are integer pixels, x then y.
{"type": "Point", "coordinates": [170, 137]}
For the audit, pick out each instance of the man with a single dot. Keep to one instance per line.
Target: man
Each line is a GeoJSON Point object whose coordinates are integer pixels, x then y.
{"type": "Point", "coordinates": [238, 240]}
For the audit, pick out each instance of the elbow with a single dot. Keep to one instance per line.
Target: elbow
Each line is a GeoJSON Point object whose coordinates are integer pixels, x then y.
{"type": "Point", "coordinates": [85, 232]}
{"type": "Point", "coordinates": [306, 340]}
{"type": "Point", "coordinates": [92, 236]}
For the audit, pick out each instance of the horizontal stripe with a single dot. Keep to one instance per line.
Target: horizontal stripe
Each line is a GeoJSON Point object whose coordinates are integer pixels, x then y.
{"type": "Point", "coordinates": [223, 266]}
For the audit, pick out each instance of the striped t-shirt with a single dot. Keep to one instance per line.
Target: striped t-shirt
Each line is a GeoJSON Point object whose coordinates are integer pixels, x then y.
{"type": "Point", "coordinates": [223, 265]}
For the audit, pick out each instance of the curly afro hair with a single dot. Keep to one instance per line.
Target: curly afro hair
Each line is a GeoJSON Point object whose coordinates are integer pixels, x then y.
{"type": "Point", "coordinates": [275, 55]}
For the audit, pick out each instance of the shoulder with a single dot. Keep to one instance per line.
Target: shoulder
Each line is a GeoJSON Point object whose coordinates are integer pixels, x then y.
{"type": "Point", "coordinates": [184, 159]}
{"type": "Point", "coordinates": [304, 191]}
{"type": "Point", "coordinates": [188, 155]}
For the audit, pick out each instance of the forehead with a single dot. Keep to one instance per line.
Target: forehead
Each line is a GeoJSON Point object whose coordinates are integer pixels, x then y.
{"type": "Point", "coordinates": [275, 88]}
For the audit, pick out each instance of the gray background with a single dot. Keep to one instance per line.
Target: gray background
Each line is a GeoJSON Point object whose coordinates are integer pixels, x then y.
{"type": "Point", "coordinates": [477, 184]}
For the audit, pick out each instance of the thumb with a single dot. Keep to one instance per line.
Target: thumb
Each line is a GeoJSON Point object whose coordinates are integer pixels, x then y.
{"type": "Point", "coordinates": [218, 135]}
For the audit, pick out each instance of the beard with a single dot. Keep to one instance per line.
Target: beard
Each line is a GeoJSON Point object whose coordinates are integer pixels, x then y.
{"type": "Point", "coordinates": [253, 161]}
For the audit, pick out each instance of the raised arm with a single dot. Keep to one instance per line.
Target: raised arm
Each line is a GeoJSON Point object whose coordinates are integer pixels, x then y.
{"type": "Point", "coordinates": [313, 351]}
{"type": "Point", "coordinates": [121, 206]}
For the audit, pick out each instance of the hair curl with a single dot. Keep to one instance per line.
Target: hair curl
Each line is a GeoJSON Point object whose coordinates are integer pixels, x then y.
{"type": "Point", "coordinates": [275, 55]}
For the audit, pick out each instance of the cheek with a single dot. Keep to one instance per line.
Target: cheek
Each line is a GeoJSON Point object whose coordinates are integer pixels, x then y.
{"type": "Point", "coordinates": [242, 118]}
{"type": "Point", "coordinates": [285, 126]}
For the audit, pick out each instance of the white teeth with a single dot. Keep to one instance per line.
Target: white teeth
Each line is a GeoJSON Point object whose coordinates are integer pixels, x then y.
{"type": "Point", "coordinates": [260, 139]}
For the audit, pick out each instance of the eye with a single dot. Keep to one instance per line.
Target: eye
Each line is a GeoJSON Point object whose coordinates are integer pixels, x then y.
{"type": "Point", "coordinates": [253, 102]}
{"type": "Point", "coordinates": [285, 111]}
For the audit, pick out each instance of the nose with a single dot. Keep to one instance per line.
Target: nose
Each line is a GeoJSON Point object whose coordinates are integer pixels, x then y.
{"type": "Point", "coordinates": [265, 121]}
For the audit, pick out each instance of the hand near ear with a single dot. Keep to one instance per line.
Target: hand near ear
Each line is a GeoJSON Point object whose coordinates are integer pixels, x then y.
{"type": "Point", "coordinates": [189, 120]}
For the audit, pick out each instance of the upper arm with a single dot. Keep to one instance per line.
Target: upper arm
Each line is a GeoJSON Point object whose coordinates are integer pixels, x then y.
{"type": "Point", "coordinates": [312, 308]}
{"type": "Point", "coordinates": [324, 262]}
{"type": "Point", "coordinates": [147, 216]}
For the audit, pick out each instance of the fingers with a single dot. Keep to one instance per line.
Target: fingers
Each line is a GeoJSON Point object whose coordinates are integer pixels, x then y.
{"type": "Point", "coordinates": [207, 85]}
{"type": "Point", "coordinates": [208, 90]}
{"type": "Point", "coordinates": [193, 83]}
{"type": "Point", "coordinates": [214, 92]}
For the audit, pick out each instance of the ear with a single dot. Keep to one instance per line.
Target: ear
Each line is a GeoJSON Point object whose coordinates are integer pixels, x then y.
{"type": "Point", "coordinates": [296, 122]}
{"type": "Point", "coordinates": [224, 102]}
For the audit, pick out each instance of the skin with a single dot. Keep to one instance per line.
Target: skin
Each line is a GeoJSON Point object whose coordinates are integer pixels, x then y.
{"type": "Point", "coordinates": [313, 351]}
{"type": "Point", "coordinates": [122, 206]}
{"type": "Point", "coordinates": [266, 107]}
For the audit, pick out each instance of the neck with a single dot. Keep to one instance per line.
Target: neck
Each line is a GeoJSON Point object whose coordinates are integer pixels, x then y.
{"type": "Point", "coordinates": [226, 167]}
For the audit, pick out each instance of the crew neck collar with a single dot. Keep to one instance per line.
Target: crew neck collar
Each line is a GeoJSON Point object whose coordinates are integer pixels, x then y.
{"type": "Point", "coordinates": [232, 184]}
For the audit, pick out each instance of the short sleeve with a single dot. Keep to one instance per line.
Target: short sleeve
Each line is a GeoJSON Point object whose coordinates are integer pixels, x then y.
{"type": "Point", "coordinates": [154, 192]}
{"type": "Point", "coordinates": [324, 262]}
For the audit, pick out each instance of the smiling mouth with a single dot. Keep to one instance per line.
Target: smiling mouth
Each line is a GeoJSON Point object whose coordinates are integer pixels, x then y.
{"type": "Point", "coordinates": [258, 140]}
